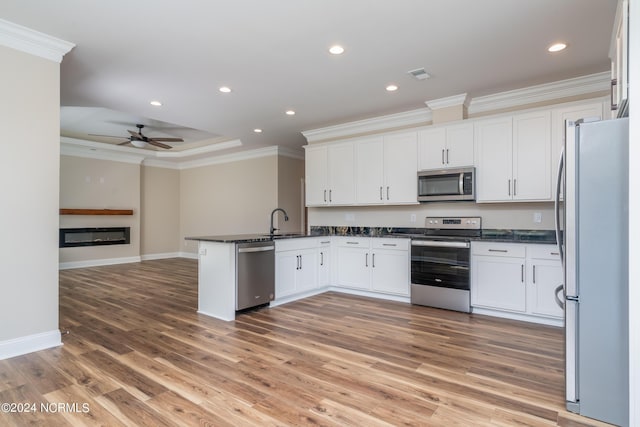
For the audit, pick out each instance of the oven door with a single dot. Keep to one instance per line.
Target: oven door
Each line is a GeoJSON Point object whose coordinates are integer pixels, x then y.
{"type": "Point", "coordinates": [440, 263]}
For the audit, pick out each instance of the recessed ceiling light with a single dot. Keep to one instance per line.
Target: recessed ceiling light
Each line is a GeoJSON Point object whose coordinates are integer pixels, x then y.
{"type": "Point", "coordinates": [391, 88]}
{"type": "Point", "coordinates": [257, 130]}
{"type": "Point", "coordinates": [225, 89]}
{"type": "Point", "coordinates": [290, 113]}
{"type": "Point", "coordinates": [557, 47]}
{"type": "Point", "coordinates": [336, 50]}
{"type": "Point", "coordinates": [156, 103]}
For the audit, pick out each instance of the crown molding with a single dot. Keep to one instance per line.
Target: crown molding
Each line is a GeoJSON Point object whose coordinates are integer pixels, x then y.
{"type": "Point", "coordinates": [577, 86]}
{"type": "Point", "coordinates": [540, 93]}
{"type": "Point", "coordinates": [406, 119]}
{"type": "Point", "coordinates": [33, 42]}
{"type": "Point", "coordinates": [450, 101]}
{"type": "Point", "coordinates": [198, 151]}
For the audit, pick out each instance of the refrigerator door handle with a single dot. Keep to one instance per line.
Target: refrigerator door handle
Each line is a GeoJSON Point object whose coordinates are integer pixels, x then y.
{"type": "Point", "coordinates": [559, 289]}
{"type": "Point", "coordinates": [557, 206]}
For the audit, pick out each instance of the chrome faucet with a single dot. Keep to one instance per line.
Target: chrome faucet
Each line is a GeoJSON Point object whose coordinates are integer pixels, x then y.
{"type": "Point", "coordinates": [286, 218]}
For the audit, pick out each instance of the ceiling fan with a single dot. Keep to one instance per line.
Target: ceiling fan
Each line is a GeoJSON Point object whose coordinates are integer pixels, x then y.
{"type": "Point", "coordinates": [137, 139]}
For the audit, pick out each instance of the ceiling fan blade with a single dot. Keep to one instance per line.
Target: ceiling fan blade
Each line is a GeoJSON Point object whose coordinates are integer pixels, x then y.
{"type": "Point", "coordinates": [135, 134]}
{"type": "Point", "coordinates": [124, 142]}
{"type": "Point", "coordinates": [105, 136]}
{"type": "Point", "coordinates": [158, 144]}
{"type": "Point", "coordinates": [167, 139]}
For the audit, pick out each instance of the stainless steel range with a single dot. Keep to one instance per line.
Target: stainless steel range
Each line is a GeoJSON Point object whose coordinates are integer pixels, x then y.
{"type": "Point", "coordinates": [440, 262]}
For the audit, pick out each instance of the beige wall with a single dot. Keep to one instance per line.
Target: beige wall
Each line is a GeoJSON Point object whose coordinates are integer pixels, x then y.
{"type": "Point", "coordinates": [159, 211]}
{"type": "Point", "coordinates": [503, 215]}
{"type": "Point", "coordinates": [29, 184]}
{"type": "Point", "coordinates": [227, 198]}
{"type": "Point", "coordinates": [291, 193]}
{"type": "Point", "coordinates": [100, 184]}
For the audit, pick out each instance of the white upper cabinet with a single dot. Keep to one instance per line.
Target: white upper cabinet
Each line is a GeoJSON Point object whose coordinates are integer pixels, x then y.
{"type": "Point", "coordinates": [386, 169]}
{"type": "Point", "coordinates": [513, 158]}
{"type": "Point", "coordinates": [446, 147]}
{"type": "Point", "coordinates": [619, 54]}
{"type": "Point", "coordinates": [494, 156]}
{"type": "Point", "coordinates": [329, 174]}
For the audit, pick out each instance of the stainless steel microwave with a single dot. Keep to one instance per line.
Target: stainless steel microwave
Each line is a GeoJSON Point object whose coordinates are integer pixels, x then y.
{"type": "Point", "coordinates": [446, 184]}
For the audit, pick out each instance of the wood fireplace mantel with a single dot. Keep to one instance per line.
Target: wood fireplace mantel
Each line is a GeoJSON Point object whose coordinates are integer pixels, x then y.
{"type": "Point", "coordinates": [96, 211]}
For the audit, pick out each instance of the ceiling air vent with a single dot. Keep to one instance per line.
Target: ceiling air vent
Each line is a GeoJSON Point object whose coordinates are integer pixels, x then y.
{"type": "Point", "coordinates": [419, 74]}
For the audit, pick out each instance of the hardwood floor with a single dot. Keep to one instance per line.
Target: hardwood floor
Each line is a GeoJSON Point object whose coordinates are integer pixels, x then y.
{"type": "Point", "coordinates": [137, 353]}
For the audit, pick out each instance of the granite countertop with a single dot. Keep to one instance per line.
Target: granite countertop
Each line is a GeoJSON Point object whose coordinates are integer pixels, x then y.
{"type": "Point", "coordinates": [488, 235]}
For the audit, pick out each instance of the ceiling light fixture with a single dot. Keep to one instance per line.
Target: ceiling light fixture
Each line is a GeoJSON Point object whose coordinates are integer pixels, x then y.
{"type": "Point", "coordinates": [257, 130]}
{"type": "Point", "coordinates": [336, 50]}
{"type": "Point", "coordinates": [156, 103]}
{"type": "Point", "coordinates": [557, 47]}
{"type": "Point", "coordinates": [391, 88]}
{"type": "Point", "coordinates": [290, 113]}
{"type": "Point", "coordinates": [225, 89]}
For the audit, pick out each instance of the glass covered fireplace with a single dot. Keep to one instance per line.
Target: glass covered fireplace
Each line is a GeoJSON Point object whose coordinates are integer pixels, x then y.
{"type": "Point", "coordinates": [73, 237]}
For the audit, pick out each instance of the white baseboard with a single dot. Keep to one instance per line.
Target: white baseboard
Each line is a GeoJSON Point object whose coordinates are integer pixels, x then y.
{"type": "Point", "coordinates": [151, 257]}
{"type": "Point", "coordinates": [389, 297]}
{"type": "Point", "coordinates": [190, 255]}
{"type": "Point", "coordinates": [521, 317]}
{"type": "Point", "coordinates": [97, 262]}
{"type": "Point", "coordinates": [29, 344]}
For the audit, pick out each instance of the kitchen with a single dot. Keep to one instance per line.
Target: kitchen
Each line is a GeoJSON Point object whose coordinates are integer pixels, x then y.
{"type": "Point", "coordinates": [514, 216]}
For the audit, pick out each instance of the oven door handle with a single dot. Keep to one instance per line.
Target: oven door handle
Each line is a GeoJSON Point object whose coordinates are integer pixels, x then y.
{"type": "Point", "coordinates": [439, 244]}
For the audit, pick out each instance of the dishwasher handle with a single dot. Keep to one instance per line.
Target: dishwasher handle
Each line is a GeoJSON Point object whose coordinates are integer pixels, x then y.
{"type": "Point", "coordinates": [256, 249]}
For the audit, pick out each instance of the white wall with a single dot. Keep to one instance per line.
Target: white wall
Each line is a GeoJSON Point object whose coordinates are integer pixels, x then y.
{"type": "Point", "coordinates": [29, 186]}
{"type": "Point", "coordinates": [160, 211]}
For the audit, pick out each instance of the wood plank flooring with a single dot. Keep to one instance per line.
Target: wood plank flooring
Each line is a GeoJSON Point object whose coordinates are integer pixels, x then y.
{"type": "Point", "coordinates": [137, 354]}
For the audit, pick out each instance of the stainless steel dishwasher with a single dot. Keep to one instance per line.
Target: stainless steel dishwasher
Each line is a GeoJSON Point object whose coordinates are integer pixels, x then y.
{"type": "Point", "coordinates": [255, 274]}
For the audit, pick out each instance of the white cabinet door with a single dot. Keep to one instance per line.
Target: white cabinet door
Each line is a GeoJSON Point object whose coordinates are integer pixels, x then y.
{"type": "Point", "coordinates": [459, 147]}
{"type": "Point", "coordinates": [390, 271]}
{"type": "Point", "coordinates": [431, 146]}
{"type": "Point", "coordinates": [341, 176]}
{"type": "Point", "coordinates": [532, 156]}
{"type": "Point", "coordinates": [353, 268]}
{"type": "Point", "coordinates": [400, 168]}
{"type": "Point", "coordinates": [493, 149]}
{"type": "Point", "coordinates": [307, 272]}
{"type": "Point", "coordinates": [498, 283]}
{"type": "Point", "coordinates": [545, 276]}
{"type": "Point", "coordinates": [370, 171]}
{"type": "Point", "coordinates": [316, 176]}
{"type": "Point", "coordinates": [286, 269]}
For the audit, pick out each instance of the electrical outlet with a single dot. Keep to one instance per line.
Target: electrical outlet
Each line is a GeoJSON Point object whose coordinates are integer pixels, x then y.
{"type": "Point", "coordinates": [412, 218]}
{"type": "Point", "coordinates": [537, 217]}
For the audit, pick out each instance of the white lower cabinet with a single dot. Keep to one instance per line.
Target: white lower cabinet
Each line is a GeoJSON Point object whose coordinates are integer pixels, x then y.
{"type": "Point", "coordinates": [296, 266]}
{"type": "Point", "coordinates": [324, 262]}
{"type": "Point", "coordinates": [373, 264]}
{"type": "Point", "coordinates": [516, 279]}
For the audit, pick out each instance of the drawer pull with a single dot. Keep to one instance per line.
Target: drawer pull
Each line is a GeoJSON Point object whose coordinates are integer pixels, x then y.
{"type": "Point", "coordinates": [353, 243]}
{"type": "Point", "coordinates": [555, 253]}
{"type": "Point", "coordinates": [499, 250]}
{"type": "Point", "coordinates": [389, 244]}
{"type": "Point", "coordinates": [325, 243]}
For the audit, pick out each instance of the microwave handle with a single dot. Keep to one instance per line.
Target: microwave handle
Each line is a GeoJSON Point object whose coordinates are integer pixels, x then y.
{"type": "Point", "coordinates": [461, 183]}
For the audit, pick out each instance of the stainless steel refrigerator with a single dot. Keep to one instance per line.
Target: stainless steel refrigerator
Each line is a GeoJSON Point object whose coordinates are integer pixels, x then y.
{"type": "Point", "coordinates": [592, 229]}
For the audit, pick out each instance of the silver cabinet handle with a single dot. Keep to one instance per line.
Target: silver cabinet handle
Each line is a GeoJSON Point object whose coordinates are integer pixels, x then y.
{"type": "Point", "coordinates": [321, 258]}
{"type": "Point", "coordinates": [447, 156]}
{"type": "Point", "coordinates": [443, 156]}
{"type": "Point", "coordinates": [514, 186]}
{"type": "Point", "coordinates": [499, 250]}
{"type": "Point", "coordinates": [330, 196]}
{"type": "Point", "coordinates": [554, 253]}
{"type": "Point", "coordinates": [366, 259]}
{"type": "Point", "coordinates": [380, 192]}
{"type": "Point", "coordinates": [522, 273]}
{"type": "Point", "coordinates": [373, 260]}
{"type": "Point", "coordinates": [297, 262]}
{"type": "Point", "coordinates": [325, 242]}
{"type": "Point", "coordinates": [509, 187]}
{"type": "Point", "coordinates": [300, 262]}
{"type": "Point", "coordinates": [325, 196]}
{"type": "Point", "coordinates": [387, 192]}
{"type": "Point", "coordinates": [389, 244]}
{"type": "Point", "coordinates": [534, 274]}
{"type": "Point", "coordinates": [353, 243]}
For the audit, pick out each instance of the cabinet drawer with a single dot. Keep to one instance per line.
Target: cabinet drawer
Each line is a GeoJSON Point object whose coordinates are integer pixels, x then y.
{"type": "Point", "coordinates": [498, 249]}
{"type": "Point", "coordinates": [386, 243]}
{"type": "Point", "coordinates": [543, 252]}
{"type": "Point", "coordinates": [296, 244]}
{"type": "Point", "coordinates": [352, 242]}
